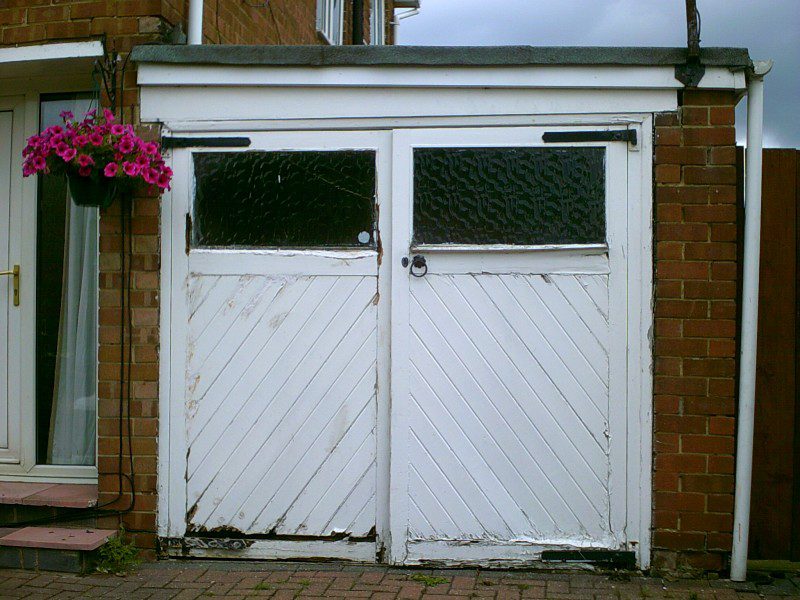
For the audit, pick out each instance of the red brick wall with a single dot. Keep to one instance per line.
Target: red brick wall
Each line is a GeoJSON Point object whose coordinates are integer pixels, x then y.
{"type": "Point", "coordinates": [695, 337]}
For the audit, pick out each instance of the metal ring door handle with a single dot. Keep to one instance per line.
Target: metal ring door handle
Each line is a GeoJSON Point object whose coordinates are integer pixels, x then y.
{"type": "Point", "coordinates": [419, 263]}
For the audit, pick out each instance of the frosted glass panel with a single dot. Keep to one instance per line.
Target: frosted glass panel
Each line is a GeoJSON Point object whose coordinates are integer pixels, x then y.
{"type": "Point", "coordinates": [518, 196]}
{"type": "Point", "coordinates": [284, 199]}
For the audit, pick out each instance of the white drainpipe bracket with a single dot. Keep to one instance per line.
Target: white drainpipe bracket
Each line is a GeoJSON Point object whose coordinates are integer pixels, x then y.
{"type": "Point", "coordinates": [747, 350]}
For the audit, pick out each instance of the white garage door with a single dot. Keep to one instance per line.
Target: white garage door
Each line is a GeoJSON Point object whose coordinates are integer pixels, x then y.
{"type": "Point", "coordinates": [508, 345]}
{"type": "Point", "coordinates": [412, 338]}
{"type": "Point", "coordinates": [282, 337]}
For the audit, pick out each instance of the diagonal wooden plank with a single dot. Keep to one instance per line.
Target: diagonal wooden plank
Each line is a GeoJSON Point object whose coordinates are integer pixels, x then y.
{"type": "Point", "coordinates": [208, 305]}
{"type": "Point", "coordinates": [505, 486]}
{"type": "Point", "coordinates": [566, 293]}
{"type": "Point", "coordinates": [214, 363]}
{"type": "Point", "coordinates": [351, 503]}
{"type": "Point", "coordinates": [586, 394]}
{"type": "Point", "coordinates": [326, 489]}
{"type": "Point", "coordinates": [597, 289]}
{"type": "Point", "coordinates": [559, 323]}
{"type": "Point", "coordinates": [450, 461]}
{"type": "Point", "coordinates": [435, 478]}
{"type": "Point", "coordinates": [428, 506]}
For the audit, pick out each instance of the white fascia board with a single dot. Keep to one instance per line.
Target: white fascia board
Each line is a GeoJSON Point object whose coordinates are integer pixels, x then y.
{"type": "Point", "coordinates": [554, 77]}
{"type": "Point", "coordinates": [182, 104]}
{"type": "Point", "coordinates": [91, 49]}
{"type": "Point", "coordinates": [49, 59]}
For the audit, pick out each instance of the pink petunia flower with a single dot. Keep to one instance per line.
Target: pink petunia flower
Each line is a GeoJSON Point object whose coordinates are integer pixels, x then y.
{"type": "Point", "coordinates": [66, 115]}
{"type": "Point", "coordinates": [117, 129]}
{"type": "Point", "coordinates": [39, 163]}
{"type": "Point", "coordinates": [150, 176]}
{"type": "Point", "coordinates": [69, 154]}
{"type": "Point", "coordinates": [95, 138]}
{"type": "Point", "coordinates": [142, 160]}
{"type": "Point", "coordinates": [108, 115]}
{"type": "Point", "coordinates": [80, 140]}
{"type": "Point", "coordinates": [85, 160]}
{"type": "Point", "coordinates": [126, 145]}
{"type": "Point", "coordinates": [130, 169]}
{"type": "Point", "coordinates": [163, 181]}
{"type": "Point", "coordinates": [111, 169]}
{"type": "Point", "coordinates": [85, 171]}
{"type": "Point", "coordinates": [150, 148]}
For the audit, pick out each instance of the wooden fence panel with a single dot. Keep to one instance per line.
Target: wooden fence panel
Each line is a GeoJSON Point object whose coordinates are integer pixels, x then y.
{"type": "Point", "coordinates": [775, 515]}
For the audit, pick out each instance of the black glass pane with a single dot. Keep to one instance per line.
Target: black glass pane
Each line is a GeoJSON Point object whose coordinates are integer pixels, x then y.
{"type": "Point", "coordinates": [284, 199]}
{"type": "Point", "coordinates": [509, 195]}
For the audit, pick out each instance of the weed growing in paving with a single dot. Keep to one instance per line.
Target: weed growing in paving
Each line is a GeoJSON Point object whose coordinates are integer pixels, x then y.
{"type": "Point", "coordinates": [429, 580]}
{"type": "Point", "coordinates": [117, 556]}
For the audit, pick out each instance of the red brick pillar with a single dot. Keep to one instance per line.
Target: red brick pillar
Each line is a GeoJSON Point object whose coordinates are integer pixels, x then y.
{"type": "Point", "coordinates": [695, 336]}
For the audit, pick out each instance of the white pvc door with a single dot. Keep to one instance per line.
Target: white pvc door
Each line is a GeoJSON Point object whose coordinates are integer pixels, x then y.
{"type": "Point", "coordinates": [9, 313]}
{"type": "Point", "coordinates": [508, 345]}
{"type": "Point", "coordinates": [280, 321]}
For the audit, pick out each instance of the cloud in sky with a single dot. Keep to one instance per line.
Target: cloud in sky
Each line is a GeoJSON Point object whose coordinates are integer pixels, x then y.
{"type": "Point", "coordinates": [769, 28]}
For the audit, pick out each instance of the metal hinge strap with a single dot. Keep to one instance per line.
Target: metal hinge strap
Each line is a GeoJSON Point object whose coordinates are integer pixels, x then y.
{"type": "Point", "coordinates": [615, 135]}
{"type": "Point", "coordinates": [204, 142]}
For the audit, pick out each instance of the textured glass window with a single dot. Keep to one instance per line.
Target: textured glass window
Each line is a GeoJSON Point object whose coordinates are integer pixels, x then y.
{"type": "Point", "coordinates": [518, 196]}
{"type": "Point", "coordinates": [284, 199]}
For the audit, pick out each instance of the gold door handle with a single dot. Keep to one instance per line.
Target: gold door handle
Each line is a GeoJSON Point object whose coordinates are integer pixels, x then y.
{"type": "Point", "coordinates": [15, 274]}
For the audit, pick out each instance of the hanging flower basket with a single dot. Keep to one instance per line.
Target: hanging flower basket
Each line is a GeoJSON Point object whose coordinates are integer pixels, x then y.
{"type": "Point", "coordinates": [100, 158]}
{"type": "Point", "coordinates": [92, 191]}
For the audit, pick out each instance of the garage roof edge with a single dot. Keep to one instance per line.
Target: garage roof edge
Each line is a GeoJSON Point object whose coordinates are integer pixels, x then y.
{"type": "Point", "coordinates": [433, 56]}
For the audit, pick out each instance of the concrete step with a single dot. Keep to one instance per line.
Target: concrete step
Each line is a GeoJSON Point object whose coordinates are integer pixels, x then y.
{"type": "Point", "coordinates": [52, 548]}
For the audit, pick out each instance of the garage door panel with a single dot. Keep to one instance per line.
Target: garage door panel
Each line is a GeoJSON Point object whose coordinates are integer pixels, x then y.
{"type": "Point", "coordinates": [511, 358]}
{"type": "Point", "coordinates": [348, 444]}
{"type": "Point", "coordinates": [209, 385]}
{"type": "Point", "coordinates": [525, 452]}
{"type": "Point", "coordinates": [214, 348]}
{"type": "Point", "coordinates": [453, 343]}
{"type": "Point", "coordinates": [295, 383]}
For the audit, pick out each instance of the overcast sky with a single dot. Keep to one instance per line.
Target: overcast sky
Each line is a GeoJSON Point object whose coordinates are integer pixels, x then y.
{"type": "Point", "coordinates": [769, 28]}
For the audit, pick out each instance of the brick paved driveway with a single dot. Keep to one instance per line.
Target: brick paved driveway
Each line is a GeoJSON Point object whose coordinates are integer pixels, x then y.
{"type": "Point", "coordinates": [188, 580]}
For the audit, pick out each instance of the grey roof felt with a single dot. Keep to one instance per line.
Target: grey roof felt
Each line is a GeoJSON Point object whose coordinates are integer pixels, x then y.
{"type": "Point", "coordinates": [434, 56]}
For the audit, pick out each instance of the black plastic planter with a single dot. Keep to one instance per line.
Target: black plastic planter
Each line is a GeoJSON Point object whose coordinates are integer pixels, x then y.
{"type": "Point", "coordinates": [90, 191]}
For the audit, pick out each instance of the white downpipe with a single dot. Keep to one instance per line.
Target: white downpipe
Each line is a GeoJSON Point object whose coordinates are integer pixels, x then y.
{"type": "Point", "coordinates": [747, 352]}
{"type": "Point", "coordinates": [195, 34]}
{"type": "Point", "coordinates": [399, 17]}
